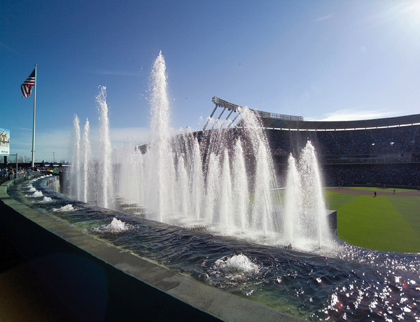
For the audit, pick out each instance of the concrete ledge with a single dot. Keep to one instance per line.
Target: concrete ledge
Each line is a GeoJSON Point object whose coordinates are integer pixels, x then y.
{"type": "Point", "coordinates": [115, 285]}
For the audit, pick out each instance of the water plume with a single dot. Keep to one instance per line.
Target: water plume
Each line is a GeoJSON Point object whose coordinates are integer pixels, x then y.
{"type": "Point", "coordinates": [86, 161]}
{"type": "Point", "coordinates": [305, 215]}
{"type": "Point", "coordinates": [75, 186]}
{"type": "Point", "coordinates": [161, 175]}
{"type": "Point", "coordinates": [105, 184]}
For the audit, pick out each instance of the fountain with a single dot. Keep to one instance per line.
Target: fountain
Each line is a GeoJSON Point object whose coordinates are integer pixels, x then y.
{"type": "Point", "coordinates": [221, 179]}
{"type": "Point", "coordinates": [92, 180]}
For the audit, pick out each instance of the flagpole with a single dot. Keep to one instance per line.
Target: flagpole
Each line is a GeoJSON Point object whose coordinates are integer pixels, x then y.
{"type": "Point", "coordinates": [33, 128]}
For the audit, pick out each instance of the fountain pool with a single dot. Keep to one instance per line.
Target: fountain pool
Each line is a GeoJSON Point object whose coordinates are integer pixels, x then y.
{"type": "Point", "coordinates": [355, 284]}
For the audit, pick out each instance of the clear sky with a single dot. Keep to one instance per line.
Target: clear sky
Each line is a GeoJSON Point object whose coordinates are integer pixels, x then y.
{"type": "Point", "coordinates": [323, 60]}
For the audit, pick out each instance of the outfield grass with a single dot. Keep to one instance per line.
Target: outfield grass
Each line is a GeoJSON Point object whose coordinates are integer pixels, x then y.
{"type": "Point", "coordinates": [385, 223]}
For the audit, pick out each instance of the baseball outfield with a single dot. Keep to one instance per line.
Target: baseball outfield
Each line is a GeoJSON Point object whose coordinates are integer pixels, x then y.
{"type": "Point", "coordinates": [388, 222]}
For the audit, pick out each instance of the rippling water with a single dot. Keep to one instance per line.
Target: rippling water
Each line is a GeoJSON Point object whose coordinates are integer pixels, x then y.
{"type": "Point", "coordinates": [352, 284]}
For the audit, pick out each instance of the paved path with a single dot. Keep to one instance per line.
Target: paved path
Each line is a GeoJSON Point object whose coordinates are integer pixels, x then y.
{"type": "Point", "coordinates": [379, 192]}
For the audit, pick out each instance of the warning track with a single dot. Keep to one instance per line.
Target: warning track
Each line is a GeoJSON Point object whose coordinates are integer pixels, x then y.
{"type": "Point", "coordinates": [413, 193]}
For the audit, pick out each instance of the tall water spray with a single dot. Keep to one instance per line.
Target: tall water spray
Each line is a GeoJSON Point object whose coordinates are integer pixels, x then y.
{"type": "Point", "coordinates": [183, 193]}
{"type": "Point", "coordinates": [293, 202]}
{"type": "Point", "coordinates": [212, 189]}
{"type": "Point", "coordinates": [197, 181]}
{"type": "Point", "coordinates": [240, 192]}
{"type": "Point", "coordinates": [86, 162]}
{"type": "Point", "coordinates": [305, 215]}
{"type": "Point", "coordinates": [161, 177]}
{"type": "Point", "coordinates": [105, 184]}
{"type": "Point", "coordinates": [312, 185]}
{"type": "Point", "coordinates": [75, 184]}
{"type": "Point", "coordinates": [225, 199]}
{"type": "Point", "coordinates": [262, 213]}
{"type": "Point", "coordinates": [266, 217]}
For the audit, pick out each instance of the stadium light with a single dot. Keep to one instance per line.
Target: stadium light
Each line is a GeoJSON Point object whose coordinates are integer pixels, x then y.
{"type": "Point", "coordinates": [225, 105]}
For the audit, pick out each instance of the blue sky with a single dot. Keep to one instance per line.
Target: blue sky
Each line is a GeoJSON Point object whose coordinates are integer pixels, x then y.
{"type": "Point", "coordinates": [330, 60]}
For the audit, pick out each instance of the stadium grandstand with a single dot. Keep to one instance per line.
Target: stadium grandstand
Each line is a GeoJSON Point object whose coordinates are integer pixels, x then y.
{"type": "Point", "coordinates": [382, 151]}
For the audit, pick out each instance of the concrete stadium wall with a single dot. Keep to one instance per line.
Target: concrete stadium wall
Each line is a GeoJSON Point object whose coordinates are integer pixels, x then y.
{"type": "Point", "coordinates": [86, 279]}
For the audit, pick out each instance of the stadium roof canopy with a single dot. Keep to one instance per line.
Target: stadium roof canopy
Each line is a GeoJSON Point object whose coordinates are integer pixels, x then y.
{"type": "Point", "coordinates": [270, 122]}
{"type": "Point", "coordinates": [297, 123]}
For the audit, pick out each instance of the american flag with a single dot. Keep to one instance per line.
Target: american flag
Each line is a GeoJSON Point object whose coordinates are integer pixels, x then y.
{"type": "Point", "coordinates": [27, 85]}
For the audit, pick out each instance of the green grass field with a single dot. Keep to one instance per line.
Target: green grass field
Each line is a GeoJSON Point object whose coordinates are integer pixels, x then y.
{"type": "Point", "coordinates": [385, 223]}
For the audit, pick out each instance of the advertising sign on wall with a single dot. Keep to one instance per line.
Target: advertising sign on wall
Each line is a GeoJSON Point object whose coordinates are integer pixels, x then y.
{"type": "Point", "coordinates": [4, 141]}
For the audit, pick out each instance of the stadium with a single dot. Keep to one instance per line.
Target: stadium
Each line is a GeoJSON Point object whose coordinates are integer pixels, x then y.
{"type": "Point", "coordinates": [374, 152]}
